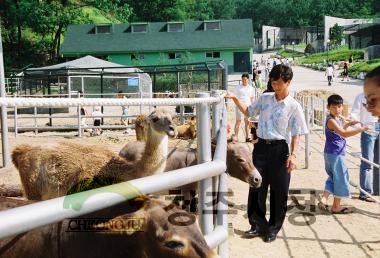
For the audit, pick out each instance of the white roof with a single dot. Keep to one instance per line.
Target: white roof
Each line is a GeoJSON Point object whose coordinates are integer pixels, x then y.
{"type": "Point", "coordinates": [87, 63]}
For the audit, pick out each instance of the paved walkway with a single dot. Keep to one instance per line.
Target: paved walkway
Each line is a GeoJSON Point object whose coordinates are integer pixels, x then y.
{"type": "Point", "coordinates": [308, 79]}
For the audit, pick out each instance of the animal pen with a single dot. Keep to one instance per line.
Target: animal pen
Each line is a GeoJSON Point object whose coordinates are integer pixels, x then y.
{"type": "Point", "coordinates": [96, 78]}
{"type": "Point", "coordinates": [209, 172]}
{"type": "Point", "coordinates": [25, 218]}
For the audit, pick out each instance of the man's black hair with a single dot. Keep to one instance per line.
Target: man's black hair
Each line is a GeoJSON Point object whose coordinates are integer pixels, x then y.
{"type": "Point", "coordinates": [281, 71]}
{"type": "Point", "coordinates": [269, 87]}
{"type": "Point", "coordinates": [246, 75]}
{"type": "Point", "coordinates": [334, 100]}
{"type": "Point", "coordinates": [374, 75]}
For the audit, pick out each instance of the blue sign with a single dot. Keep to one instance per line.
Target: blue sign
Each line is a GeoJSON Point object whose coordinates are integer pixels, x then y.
{"type": "Point", "coordinates": [133, 82]}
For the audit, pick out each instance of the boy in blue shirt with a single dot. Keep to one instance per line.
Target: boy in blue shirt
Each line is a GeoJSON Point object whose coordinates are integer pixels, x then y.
{"type": "Point", "coordinates": [336, 131]}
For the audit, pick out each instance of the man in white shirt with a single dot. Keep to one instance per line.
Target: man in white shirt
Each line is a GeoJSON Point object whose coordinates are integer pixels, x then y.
{"type": "Point", "coordinates": [369, 143]}
{"type": "Point", "coordinates": [281, 123]}
{"type": "Point", "coordinates": [245, 93]}
{"type": "Point", "coordinates": [329, 73]}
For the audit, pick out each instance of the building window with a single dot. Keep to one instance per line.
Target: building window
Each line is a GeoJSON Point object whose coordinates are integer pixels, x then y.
{"type": "Point", "coordinates": [137, 56]}
{"type": "Point", "coordinates": [175, 55]}
{"type": "Point", "coordinates": [175, 27]}
{"type": "Point", "coordinates": [212, 25]}
{"type": "Point", "coordinates": [100, 29]}
{"type": "Point", "coordinates": [215, 54]}
{"type": "Point", "coordinates": [139, 28]}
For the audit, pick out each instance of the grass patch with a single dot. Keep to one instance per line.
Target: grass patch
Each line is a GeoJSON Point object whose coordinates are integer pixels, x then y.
{"type": "Point", "coordinates": [364, 67]}
{"type": "Point", "coordinates": [340, 54]}
{"type": "Point", "coordinates": [289, 54]}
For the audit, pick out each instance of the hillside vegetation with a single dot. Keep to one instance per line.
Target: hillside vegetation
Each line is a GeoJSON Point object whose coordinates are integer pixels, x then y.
{"type": "Point", "coordinates": [341, 54]}
{"type": "Point", "coordinates": [32, 30]}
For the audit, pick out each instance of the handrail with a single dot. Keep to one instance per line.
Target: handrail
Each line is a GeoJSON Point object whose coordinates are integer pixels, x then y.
{"type": "Point", "coordinates": [25, 218]}
{"type": "Point", "coordinates": [64, 102]}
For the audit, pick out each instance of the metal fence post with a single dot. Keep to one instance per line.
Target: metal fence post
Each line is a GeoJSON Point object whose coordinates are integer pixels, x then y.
{"type": "Point", "coordinates": [15, 121]}
{"type": "Point", "coordinates": [307, 139]}
{"type": "Point", "coordinates": [222, 206]}
{"type": "Point", "coordinates": [312, 111]}
{"type": "Point", "coordinates": [216, 112]}
{"type": "Point", "coordinates": [35, 120]}
{"type": "Point", "coordinates": [324, 116]}
{"type": "Point", "coordinates": [181, 107]}
{"type": "Point", "coordinates": [204, 155]}
{"type": "Point", "coordinates": [79, 123]}
{"type": "Point", "coordinates": [15, 117]}
{"type": "Point", "coordinates": [4, 113]}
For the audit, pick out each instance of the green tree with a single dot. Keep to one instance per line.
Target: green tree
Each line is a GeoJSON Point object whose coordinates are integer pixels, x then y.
{"type": "Point", "coordinates": [50, 19]}
{"type": "Point", "coordinates": [158, 10]}
{"type": "Point", "coordinates": [120, 9]}
{"type": "Point", "coordinates": [336, 35]}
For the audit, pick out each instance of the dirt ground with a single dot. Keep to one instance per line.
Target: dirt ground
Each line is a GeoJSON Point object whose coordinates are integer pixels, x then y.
{"type": "Point", "coordinates": [307, 232]}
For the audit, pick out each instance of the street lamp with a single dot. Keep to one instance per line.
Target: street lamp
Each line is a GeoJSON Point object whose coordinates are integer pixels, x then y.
{"type": "Point", "coordinates": [327, 45]}
{"type": "Point", "coordinates": [293, 49]}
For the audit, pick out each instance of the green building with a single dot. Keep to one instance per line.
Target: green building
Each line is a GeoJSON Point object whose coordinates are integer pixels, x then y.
{"type": "Point", "coordinates": [159, 43]}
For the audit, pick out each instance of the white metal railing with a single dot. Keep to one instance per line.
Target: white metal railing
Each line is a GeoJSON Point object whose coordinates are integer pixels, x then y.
{"type": "Point", "coordinates": [75, 124]}
{"type": "Point", "coordinates": [25, 218]}
{"type": "Point", "coordinates": [12, 84]}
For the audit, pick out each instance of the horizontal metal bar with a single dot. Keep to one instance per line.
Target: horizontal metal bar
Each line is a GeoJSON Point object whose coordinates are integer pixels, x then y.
{"type": "Point", "coordinates": [216, 237]}
{"type": "Point", "coordinates": [363, 191]}
{"type": "Point", "coordinates": [47, 116]}
{"type": "Point", "coordinates": [74, 127]}
{"type": "Point", "coordinates": [370, 162]}
{"type": "Point", "coordinates": [74, 102]}
{"type": "Point", "coordinates": [25, 218]}
{"type": "Point", "coordinates": [365, 160]}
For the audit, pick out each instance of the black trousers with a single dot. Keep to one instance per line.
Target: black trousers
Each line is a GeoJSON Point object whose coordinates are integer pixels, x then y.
{"type": "Point", "coordinates": [329, 79]}
{"type": "Point", "coordinates": [270, 161]}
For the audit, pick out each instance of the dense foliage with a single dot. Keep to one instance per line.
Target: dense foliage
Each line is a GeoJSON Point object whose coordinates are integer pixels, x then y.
{"type": "Point", "coordinates": [364, 67]}
{"type": "Point", "coordinates": [32, 30]}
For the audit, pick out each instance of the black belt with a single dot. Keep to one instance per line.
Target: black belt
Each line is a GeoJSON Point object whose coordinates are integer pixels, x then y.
{"type": "Point", "coordinates": [274, 142]}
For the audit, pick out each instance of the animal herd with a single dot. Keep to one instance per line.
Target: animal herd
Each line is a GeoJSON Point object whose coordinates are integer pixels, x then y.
{"type": "Point", "coordinates": [49, 172]}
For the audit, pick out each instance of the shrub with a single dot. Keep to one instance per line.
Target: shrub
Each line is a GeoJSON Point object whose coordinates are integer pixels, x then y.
{"type": "Point", "coordinates": [309, 49]}
{"type": "Point", "coordinates": [363, 67]}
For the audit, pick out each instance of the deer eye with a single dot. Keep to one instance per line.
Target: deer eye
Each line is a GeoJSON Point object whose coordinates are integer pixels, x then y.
{"type": "Point", "coordinates": [155, 119]}
{"type": "Point", "coordinates": [175, 245]}
{"type": "Point", "coordinates": [240, 160]}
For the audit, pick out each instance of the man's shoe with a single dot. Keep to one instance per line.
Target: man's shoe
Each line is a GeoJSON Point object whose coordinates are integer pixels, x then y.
{"type": "Point", "coordinates": [269, 237]}
{"type": "Point", "coordinates": [251, 233]}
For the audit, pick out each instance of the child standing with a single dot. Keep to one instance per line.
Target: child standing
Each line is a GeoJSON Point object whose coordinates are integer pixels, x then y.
{"type": "Point", "coordinates": [336, 131]}
{"type": "Point", "coordinates": [97, 115]}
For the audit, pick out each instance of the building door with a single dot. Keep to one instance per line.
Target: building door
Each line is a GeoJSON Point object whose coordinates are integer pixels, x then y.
{"type": "Point", "coordinates": [242, 62]}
